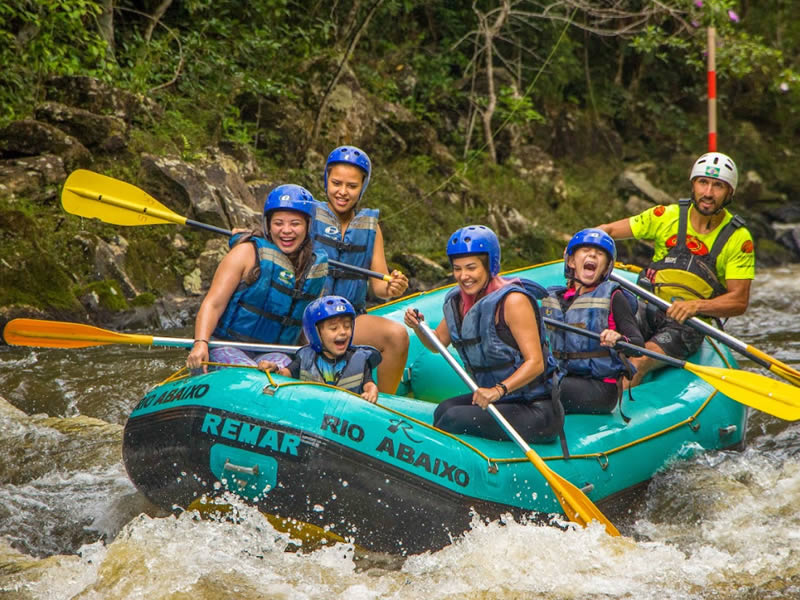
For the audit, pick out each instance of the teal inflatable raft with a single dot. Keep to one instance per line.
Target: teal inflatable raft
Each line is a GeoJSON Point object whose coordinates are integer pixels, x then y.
{"type": "Point", "coordinates": [380, 475]}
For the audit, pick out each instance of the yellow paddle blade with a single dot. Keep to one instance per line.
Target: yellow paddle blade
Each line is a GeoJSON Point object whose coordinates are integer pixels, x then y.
{"type": "Point", "coordinates": [96, 196]}
{"type": "Point", "coordinates": [310, 536]}
{"type": "Point", "coordinates": [576, 505]}
{"type": "Point", "coordinates": [788, 375]}
{"type": "Point", "coordinates": [751, 389]}
{"type": "Point", "coordinates": [60, 334]}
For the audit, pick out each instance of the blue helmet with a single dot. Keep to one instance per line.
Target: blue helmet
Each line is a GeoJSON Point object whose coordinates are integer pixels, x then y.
{"type": "Point", "coordinates": [591, 237]}
{"type": "Point", "coordinates": [349, 155]}
{"type": "Point", "coordinates": [288, 197]}
{"type": "Point", "coordinates": [475, 239]}
{"type": "Point", "coordinates": [319, 310]}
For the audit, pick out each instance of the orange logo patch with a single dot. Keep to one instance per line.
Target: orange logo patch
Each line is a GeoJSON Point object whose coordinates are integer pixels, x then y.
{"type": "Point", "coordinates": [695, 246]}
{"type": "Point", "coordinates": [747, 247]}
{"type": "Point", "coordinates": [659, 210]}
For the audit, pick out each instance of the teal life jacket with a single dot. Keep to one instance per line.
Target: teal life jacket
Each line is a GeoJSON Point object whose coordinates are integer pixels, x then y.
{"type": "Point", "coordinates": [487, 357]}
{"type": "Point", "coordinates": [270, 310]}
{"type": "Point", "coordinates": [578, 354]}
{"type": "Point", "coordinates": [350, 375]}
{"type": "Point", "coordinates": [355, 249]}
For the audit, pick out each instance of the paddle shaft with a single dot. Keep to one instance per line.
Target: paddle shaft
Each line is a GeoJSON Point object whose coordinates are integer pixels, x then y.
{"type": "Point", "coordinates": [623, 345]}
{"type": "Point", "coordinates": [574, 502]}
{"type": "Point", "coordinates": [250, 347]}
{"type": "Point", "coordinates": [698, 324]}
{"type": "Point", "coordinates": [501, 420]}
{"type": "Point", "coordinates": [168, 215]}
{"type": "Point", "coordinates": [751, 389]}
{"type": "Point", "coordinates": [61, 334]}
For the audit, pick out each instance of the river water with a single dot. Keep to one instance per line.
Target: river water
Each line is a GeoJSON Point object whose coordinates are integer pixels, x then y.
{"type": "Point", "coordinates": [724, 525]}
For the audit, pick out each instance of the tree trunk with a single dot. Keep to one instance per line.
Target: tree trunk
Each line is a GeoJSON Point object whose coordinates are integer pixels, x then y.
{"type": "Point", "coordinates": [489, 34]}
{"type": "Point", "coordinates": [105, 22]}
{"type": "Point", "coordinates": [155, 18]}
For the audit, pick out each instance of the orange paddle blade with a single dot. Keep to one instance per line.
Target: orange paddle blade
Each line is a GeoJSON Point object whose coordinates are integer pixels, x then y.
{"type": "Point", "coordinates": [60, 334]}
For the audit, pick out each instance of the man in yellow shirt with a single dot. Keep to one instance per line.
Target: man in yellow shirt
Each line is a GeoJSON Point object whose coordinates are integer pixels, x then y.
{"type": "Point", "coordinates": [703, 260]}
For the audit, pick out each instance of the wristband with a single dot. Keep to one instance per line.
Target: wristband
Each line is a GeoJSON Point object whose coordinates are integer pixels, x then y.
{"type": "Point", "coordinates": [503, 387]}
{"type": "Point", "coordinates": [204, 341]}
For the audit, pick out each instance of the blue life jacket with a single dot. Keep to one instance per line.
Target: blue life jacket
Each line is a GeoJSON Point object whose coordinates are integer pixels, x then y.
{"type": "Point", "coordinates": [578, 354]}
{"type": "Point", "coordinates": [485, 355]}
{"type": "Point", "coordinates": [355, 249]}
{"type": "Point", "coordinates": [354, 363]}
{"type": "Point", "coordinates": [270, 310]}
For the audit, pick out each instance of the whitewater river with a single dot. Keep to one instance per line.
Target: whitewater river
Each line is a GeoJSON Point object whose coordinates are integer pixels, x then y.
{"type": "Point", "coordinates": [725, 525]}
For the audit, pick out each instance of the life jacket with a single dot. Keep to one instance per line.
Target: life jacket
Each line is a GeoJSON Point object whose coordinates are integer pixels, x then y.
{"type": "Point", "coordinates": [683, 275]}
{"type": "Point", "coordinates": [485, 355]}
{"type": "Point", "coordinates": [270, 310]}
{"type": "Point", "coordinates": [356, 360]}
{"type": "Point", "coordinates": [355, 249]}
{"type": "Point", "coordinates": [578, 354]}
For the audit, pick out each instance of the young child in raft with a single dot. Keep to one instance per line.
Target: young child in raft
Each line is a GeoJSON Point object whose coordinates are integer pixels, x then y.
{"type": "Point", "coordinates": [592, 370]}
{"type": "Point", "coordinates": [330, 356]}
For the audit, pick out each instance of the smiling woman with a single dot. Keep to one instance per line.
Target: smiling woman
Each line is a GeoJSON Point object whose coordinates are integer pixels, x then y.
{"type": "Point", "coordinates": [351, 235]}
{"type": "Point", "coordinates": [263, 285]}
{"type": "Point", "coordinates": [497, 329]}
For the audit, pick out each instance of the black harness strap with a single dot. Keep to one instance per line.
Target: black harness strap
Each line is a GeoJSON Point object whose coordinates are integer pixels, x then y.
{"type": "Point", "coordinates": [683, 220]}
{"type": "Point", "coordinates": [340, 246]}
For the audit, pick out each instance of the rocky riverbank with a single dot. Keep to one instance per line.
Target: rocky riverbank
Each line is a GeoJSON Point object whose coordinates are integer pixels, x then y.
{"type": "Point", "coordinates": [57, 265]}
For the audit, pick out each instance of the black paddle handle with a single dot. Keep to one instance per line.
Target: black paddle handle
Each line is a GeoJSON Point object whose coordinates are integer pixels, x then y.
{"type": "Point", "coordinates": [621, 345]}
{"type": "Point", "coordinates": [333, 263]}
{"type": "Point", "coordinates": [698, 324]}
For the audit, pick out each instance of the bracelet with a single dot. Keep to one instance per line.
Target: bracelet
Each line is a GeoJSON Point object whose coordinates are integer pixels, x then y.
{"type": "Point", "coordinates": [503, 387]}
{"type": "Point", "coordinates": [204, 341]}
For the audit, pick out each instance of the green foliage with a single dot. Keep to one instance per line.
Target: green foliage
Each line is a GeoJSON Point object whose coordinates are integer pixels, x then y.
{"type": "Point", "coordinates": [144, 299]}
{"type": "Point", "coordinates": [516, 109]}
{"type": "Point", "coordinates": [107, 293]}
{"type": "Point", "coordinates": [43, 38]}
{"type": "Point", "coordinates": [210, 63]}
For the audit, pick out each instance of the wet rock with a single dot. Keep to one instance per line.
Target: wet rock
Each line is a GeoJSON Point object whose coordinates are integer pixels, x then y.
{"type": "Point", "coordinates": [97, 97]}
{"type": "Point", "coordinates": [33, 138]}
{"type": "Point", "coordinates": [97, 132]}
{"type": "Point", "coordinates": [34, 177]}
{"type": "Point", "coordinates": [785, 212]}
{"type": "Point", "coordinates": [179, 242]}
{"type": "Point", "coordinates": [577, 135]}
{"type": "Point", "coordinates": [209, 259]}
{"type": "Point", "coordinates": [109, 263]}
{"type": "Point", "coordinates": [539, 169]}
{"type": "Point", "coordinates": [424, 271]}
{"type": "Point", "coordinates": [636, 204]}
{"type": "Point", "coordinates": [635, 181]}
{"type": "Point", "coordinates": [507, 221]}
{"type": "Point", "coordinates": [791, 240]}
{"type": "Point", "coordinates": [193, 283]}
{"type": "Point", "coordinates": [210, 192]}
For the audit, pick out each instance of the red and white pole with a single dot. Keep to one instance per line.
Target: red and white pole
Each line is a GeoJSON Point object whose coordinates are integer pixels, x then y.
{"type": "Point", "coordinates": [712, 91]}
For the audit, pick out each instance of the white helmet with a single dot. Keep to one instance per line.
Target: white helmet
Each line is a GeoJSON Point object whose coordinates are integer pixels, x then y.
{"type": "Point", "coordinates": [717, 166]}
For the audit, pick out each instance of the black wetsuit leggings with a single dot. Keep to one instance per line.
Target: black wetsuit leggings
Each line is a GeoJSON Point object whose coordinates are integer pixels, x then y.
{"type": "Point", "coordinates": [587, 395]}
{"type": "Point", "coordinates": [534, 420]}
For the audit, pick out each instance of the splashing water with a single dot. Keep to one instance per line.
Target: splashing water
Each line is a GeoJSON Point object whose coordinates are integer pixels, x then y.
{"type": "Point", "coordinates": [722, 525]}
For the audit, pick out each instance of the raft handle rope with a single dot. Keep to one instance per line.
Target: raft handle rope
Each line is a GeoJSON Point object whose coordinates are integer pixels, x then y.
{"type": "Point", "coordinates": [601, 457]}
{"type": "Point", "coordinates": [183, 373]}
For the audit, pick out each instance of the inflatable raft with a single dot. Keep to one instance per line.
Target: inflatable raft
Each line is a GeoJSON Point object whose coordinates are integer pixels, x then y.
{"type": "Point", "coordinates": [380, 475]}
